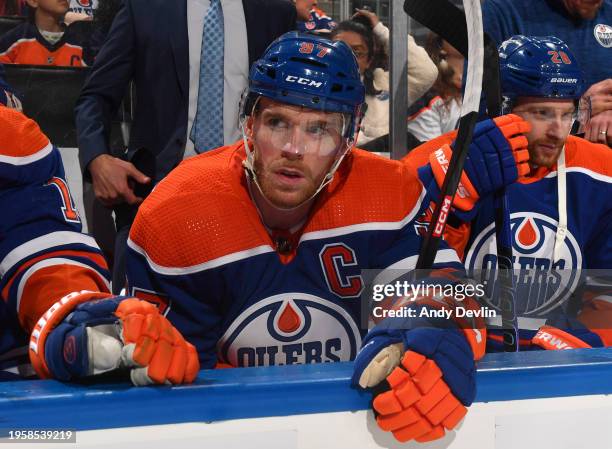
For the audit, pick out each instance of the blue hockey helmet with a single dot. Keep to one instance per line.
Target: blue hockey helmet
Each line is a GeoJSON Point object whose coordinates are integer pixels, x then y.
{"type": "Point", "coordinates": [539, 67]}
{"type": "Point", "coordinates": [311, 71]}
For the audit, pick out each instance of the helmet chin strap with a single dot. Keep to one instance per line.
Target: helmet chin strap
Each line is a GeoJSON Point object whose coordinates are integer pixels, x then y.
{"type": "Point", "coordinates": [249, 169]}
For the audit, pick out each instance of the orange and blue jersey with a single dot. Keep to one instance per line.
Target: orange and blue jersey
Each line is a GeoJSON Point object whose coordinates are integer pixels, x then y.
{"type": "Point", "coordinates": [43, 253]}
{"type": "Point", "coordinates": [245, 297]}
{"type": "Point", "coordinates": [26, 45]}
{"type": "Point", "coordinates": [319, 22]}
{"type": "Point", "coordinates": [534, 216]}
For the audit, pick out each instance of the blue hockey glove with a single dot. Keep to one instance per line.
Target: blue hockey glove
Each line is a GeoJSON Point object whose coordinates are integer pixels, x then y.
{"type": "Point", "coordinates": [89, 333]}
{"type": "Point", "coordinates": [497, 157]}
{"type": "Point", "coordinates": [420, 392]}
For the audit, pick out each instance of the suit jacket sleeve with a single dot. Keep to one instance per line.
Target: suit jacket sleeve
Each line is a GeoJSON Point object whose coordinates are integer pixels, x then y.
{"type": "Point", "coordinates": [106, 87]}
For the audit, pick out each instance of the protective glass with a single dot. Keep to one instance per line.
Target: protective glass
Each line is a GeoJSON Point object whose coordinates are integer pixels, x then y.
{"type": "Point", "coordinates": [300, 133]}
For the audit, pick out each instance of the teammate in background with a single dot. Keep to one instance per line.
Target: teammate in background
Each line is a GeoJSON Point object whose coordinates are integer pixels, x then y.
{"type": "Point", "coordinates": [561, 211]}
{"type": "Point", "coordinates": [584, 25]}
{"type": "Point", "coordinates": [254, 251]}
{"type": "Point", "coordinates": [44, 39]}
{"type": "Point", "coordinates": [54, 281]}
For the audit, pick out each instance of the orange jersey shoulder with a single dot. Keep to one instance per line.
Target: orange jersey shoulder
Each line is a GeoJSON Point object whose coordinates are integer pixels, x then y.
{"type": "Point", "coordinates": [367, 189]}
{"type": "Point", "coordinates": [594, 157]}
{"type": "Point", "coordinates": [203, 200]}
{"type": "Point", "coordinates": [20, 137]}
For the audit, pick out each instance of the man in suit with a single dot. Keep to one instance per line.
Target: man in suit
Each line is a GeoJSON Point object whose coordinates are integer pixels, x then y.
{"type": "Point", "coordinates": [157, 44]}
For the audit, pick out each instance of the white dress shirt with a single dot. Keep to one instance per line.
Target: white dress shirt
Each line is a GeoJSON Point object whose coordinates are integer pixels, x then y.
{"type": "Point", "coordinates": [235, 64]}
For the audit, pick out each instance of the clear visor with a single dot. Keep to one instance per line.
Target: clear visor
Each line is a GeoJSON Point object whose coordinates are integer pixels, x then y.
{"type": "Point", "coordinates": [560, 116]}
{"type": "Point", "coordinates": [299, 131]}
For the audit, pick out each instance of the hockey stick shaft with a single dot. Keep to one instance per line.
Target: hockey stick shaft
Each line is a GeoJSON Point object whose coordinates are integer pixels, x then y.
{"type": "Point", "coordinates": [434, 14]}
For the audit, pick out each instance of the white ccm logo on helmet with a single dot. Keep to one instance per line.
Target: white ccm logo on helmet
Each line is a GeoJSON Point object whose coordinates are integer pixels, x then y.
{"type": "Point", "coordinates": [303, 81]}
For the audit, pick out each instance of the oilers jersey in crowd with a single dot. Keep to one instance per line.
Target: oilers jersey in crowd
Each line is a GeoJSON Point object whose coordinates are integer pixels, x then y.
{"type": "Point", "coordinates": [243, 297]}
{"type": "Point", "coordinates": [26, 45]}
{"type": "Point", "coordinates": [43, 254]}
{"type": "Point", "coordinates": [547, 275]}
{"type": "Point", "coordinates": [83, 6]}
{"type": "Point", "coordinates": [319, 22]}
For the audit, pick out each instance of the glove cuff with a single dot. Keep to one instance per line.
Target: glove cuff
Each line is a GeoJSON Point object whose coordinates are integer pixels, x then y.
{"type": "Point", "coordinates": [551, 338]}
{"type": "Point", "coordinates": [51, 319]}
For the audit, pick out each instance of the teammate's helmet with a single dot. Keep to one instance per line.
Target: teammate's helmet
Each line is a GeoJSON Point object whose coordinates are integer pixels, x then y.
{"type": "Point", "coordinates": [310, 71]}
{"type": "Point", "coordinates": [539, 67]}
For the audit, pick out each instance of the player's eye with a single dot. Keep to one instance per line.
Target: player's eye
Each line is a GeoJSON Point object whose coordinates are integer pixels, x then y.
{"type": "Point", "coordinates": [317, 128]}
{"type": "Point", "coordinates": [276, 123]}
{"type": "Point", "coordinates": [543, 114]}
{"type": "Point", "coordinates": [568, 116]}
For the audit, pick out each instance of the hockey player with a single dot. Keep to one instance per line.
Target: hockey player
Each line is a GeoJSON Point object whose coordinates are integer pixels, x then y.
{"type": "Point", "coordinates": [561, 215]}
{"type": "Point", "coordinates": [561, 212]}
{"type": "Point", "coordinates": [254, 251]}
{"type": "Point", "coordinates": [54, 281]}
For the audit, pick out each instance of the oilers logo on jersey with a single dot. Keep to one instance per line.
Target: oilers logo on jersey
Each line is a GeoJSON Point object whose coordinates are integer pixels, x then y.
{"type": "Point", "coordinates": [541, 283]}
{"type": "Point", "coordinates": [301, 328]}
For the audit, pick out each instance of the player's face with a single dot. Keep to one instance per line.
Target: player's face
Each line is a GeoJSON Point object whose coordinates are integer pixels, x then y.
{"type": "Point", "coordinates": [359, 47]}
{"type": "Point", "coordinates": [295, 148]}
{"type": "Point", "coordinates": [551, 122]}
{"type": "Point", "coordinates": [303, 8]}
{"type": "Point", "coordinates": [585, 9]}
{"type": "Point", "coordinates": [55, 7]}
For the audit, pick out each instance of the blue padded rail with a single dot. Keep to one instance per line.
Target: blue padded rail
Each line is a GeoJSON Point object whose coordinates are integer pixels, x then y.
{"type": "Point", "coordinates": [280, 391]}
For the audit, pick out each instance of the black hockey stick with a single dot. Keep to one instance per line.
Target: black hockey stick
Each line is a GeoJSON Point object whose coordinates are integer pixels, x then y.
{"type": "Point", "coordinates": [437, 16]}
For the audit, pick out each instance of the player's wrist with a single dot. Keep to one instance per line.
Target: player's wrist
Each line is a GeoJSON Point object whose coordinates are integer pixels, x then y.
{"type": "Point", "coordinates": [49, 321]}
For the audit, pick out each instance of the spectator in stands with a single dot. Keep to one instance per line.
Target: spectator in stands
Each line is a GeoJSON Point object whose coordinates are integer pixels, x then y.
{"type": "Point", "coordinates": [12, 8]}
{"type": "Point", "coordinates": [439, 110]}
{"type": "Point", "coordinates": [7, 96]}
{"type": "Point", "coordinates": [303, 8]}
{"type": "Point", "coordinates": [367, 36]}
{"type": "Point", "coordinates": [586, 27]}
{"type": "Point", "coordinates": [172, 119]}
{"type": "Point", "coordinates": [317, 21]}
{"type": "Point", "coordinates": [44, 39]}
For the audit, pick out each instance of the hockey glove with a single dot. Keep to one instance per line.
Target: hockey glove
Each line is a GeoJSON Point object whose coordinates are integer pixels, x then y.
{"type": "Point", "coordinates": [87, 333]}
{"type": "Point", "coordinates": [497, 157]}
{"type": "Point", "coordinates": [426, 390]}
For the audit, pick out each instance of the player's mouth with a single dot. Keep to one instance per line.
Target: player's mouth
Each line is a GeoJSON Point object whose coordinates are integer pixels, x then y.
{"type": "Point", "coordinates": [289, 176]}
{"type": "Point", "coordinates": [547, 149]}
